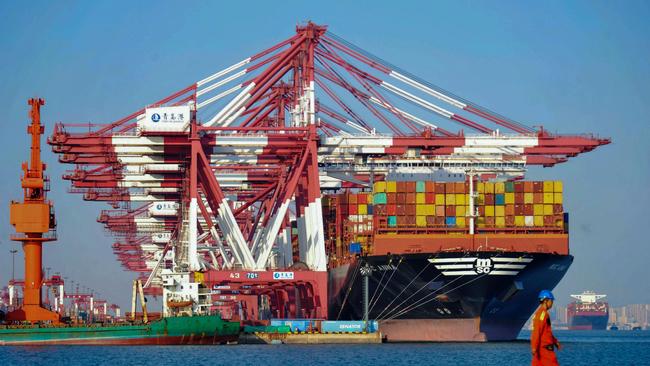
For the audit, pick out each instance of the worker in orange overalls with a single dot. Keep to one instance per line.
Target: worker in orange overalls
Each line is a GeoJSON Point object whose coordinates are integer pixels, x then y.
{"type": "Point", "coordinates": [542, 341]}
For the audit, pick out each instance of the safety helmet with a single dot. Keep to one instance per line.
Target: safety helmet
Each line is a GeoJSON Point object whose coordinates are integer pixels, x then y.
{"type": "Point", "coordinates": [546, 294]}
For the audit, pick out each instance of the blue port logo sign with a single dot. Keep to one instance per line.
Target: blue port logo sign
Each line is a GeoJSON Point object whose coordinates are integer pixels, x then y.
{"type": "Point", "coordinates": [283, 275]}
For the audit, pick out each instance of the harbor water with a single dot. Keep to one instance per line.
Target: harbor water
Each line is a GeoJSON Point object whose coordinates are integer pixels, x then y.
{"type": "Point", "coordinates": [580, 348]}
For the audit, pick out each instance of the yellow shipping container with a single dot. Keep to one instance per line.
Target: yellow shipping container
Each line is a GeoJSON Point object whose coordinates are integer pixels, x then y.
{"type": "Point", "coordinates": [430, 209]}
{"type": "Point", "coordinates": [499, 187]}
{"type": "Point", "coordinates": [391, 187]}
{"type": "Point", "coordinates": [520, 221]}
{"type": "Point", "coordinates": [460, 221]}
{"type": "Point", "coordinates": [421, 221]}
{"type": "Point", "coordinates": [538, 210]}
{"type": "Point", "coordinates": [548, 186]}
{"type": "Point", "coordinates": [548, 210]}
{"type": "Point", "coordinates": [380, 187]}
{"type": "Point", "coordinates": [499, 211]}
{"type": "Point", "coordinates": [500, 221]}
{"type": "Point", "coordinates": [461, 211]}
{"type": "Point", "coordinates": [460, 199]}
{"type": "Point", "coordinates": [557, 198]}
{"type": "Point", "coordinates": [363, 209]}
{"type": "Point", "coordinates": [480, 200]}
{"type": "Point", "coordinates": [489, 187]}
{"type": "Point", "coordinates": [510, 198]}
{"type": "Point", "coordinates": [529, 198]}
{"type": "Point", "coordinates": [489, 210]}
{"type": "Point", "coordinates": [421, 210]}
{"type": "Point", "coordinates": [548, 198]}
{"type": "Point", "coordinates": [450, 199]}
{"type": "Point", "coordinates": [419, 198]}
{"type": "Point", "coordinates": [559, 223]}
{"type": "Point", "coordinates": [539, 220]}
{"type": "Point", "coordinates": [480, 187]}
{"type": "Point", "coordinates": [557, 186]}
{"type": "Point", "coordinates": [440, 199]}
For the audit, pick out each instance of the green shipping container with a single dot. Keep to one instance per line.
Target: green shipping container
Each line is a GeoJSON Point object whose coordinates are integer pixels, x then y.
{"type": "Point", "coordinates": [510, 187]}
{"type": "Point", "coordinates": [420, 187]}
{"type": "Point", "coordinates": [392, 221]}
{"type": "Point", "coordinates": [379, 199]}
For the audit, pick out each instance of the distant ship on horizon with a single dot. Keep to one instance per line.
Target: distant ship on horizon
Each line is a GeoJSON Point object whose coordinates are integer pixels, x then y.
{"type": "Point", "coordinates": [588, 312]}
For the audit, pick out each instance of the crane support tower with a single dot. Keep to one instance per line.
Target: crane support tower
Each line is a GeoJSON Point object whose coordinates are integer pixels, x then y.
{"type": "Point", "coordinates": [35, 223]}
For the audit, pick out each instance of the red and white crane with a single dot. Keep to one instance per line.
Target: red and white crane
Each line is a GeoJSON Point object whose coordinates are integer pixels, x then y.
{"type": "Point", "coordinates": [213, 177]}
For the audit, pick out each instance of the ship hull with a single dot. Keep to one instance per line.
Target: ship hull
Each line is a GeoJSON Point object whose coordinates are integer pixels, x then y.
{"type": "Point", "coordinates": [588, 322]}
{"type": "Point", "coordinates": [167, 331]}
{"type": "Point", "coordinates": [469, 296]}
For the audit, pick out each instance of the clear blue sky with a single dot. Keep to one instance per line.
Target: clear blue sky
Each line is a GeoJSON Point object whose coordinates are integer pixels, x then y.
{"type": "Point", "coordinates": [570, 66]}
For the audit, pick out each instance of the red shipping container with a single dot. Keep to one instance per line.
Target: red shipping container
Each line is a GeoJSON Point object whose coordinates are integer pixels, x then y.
{"type": "Point", "coordinates": [410, 220]}
{"type": "Point", "coordinates": [489, 221]}
{"type": "Point", "coordinates": [519, 187]}
{"type": "Point", "coordinates": [450, 187]}
{"type": "Point", "coordinates": [519, 210]}
{"type": "Point", "coordinates": [410, 186]}
{"type": "Point", "coordinates": [557, 208]}
{"type": "Point", "coordinates": [510, 210]}
{"type": "Point", "coordinates": [429, 187]}
{"type": "Point", "coordinates": [401, 209]}
{"type": "Point", "coordinates": [362, 198]}
{"type": "Point", "coordinates": [459, 187]}
{"type": "Point", "coordinates": [401, 221]}
{"type": "Point", "coordinates": [401, 187]}
{"type": "Point", "coordinates": [538, 187]}
{"type": "Point", "coordinates": [481, 210]}
{"type": "Point", "coordinates": [519, 198]}
{"type": "Point", "coordinates": [391, 198]}
{"type": "Point", "coordinates": [549, 221]}
{"type": "Point", "coordinates": [439, 187]}
{"type": "Point", "coordinates": [352, 210]}
{"type": "Point", "coordinates": [379, 210]}
{"type": "Point", "coordinates": [431, 220]}
{"type": "Point", "coordinates": [538, 197]}
{"type": "Point", "coordinates": [450, 210]}
{"type": "Point", "coordinates": [430, 198]}
{"type": "Point", "coordinates": [401, 198]}
{"type": "Point", "coordinates": [529, 210]}
{"type": "Point", "coordinates": [510, 221]}
{"type": "Point", "coordinates": [440, 220]}
{"type": "Point", "coordinates": [410, 198]}
{"type": "Point", "coordinates": [410, 210]}
{"type": "Point", "coordinates": [391, 210]}
{"type": "Point", "coordinates": [528, 187]}
{"type": "Point", "coordinates": [489, 199]}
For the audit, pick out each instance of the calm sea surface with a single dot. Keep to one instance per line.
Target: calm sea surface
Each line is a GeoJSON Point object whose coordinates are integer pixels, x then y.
{"type": "Point", "coordinates": [580, 348]}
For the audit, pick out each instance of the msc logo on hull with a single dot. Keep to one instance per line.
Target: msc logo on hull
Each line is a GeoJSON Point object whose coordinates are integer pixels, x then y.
{"type": "Point", "coordinates": [473, 266]}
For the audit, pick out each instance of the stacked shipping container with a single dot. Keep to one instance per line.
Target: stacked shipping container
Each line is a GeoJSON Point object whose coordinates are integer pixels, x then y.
{"type": "Point", "coordinates": [445, 205]}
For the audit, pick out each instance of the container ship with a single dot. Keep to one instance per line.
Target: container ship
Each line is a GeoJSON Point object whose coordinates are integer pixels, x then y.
{"type": "Point", "coordinates": [588, 312]}
{"type": "Point", "coordinates": [434, 275]}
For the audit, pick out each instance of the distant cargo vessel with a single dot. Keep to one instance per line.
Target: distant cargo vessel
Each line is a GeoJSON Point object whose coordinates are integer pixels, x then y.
{"type": "Point", "coordinates": [588, 312]}
{"type": "Point", "coordinates": [437, 277]}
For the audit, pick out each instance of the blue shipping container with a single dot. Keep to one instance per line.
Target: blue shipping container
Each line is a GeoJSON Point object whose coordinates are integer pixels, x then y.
{"type": "Point", "coordinates": [450, 221]}
{"type": "Point", "coordinates": [296, 325]}
{"type": "Point", "coordinates": [355, 247]}
{"type": "Point", "coordinates": [392, 221]}
{"type": "Point", "coordinates": [499, 199]}
{"type": "Point", "coordinates": [349, 326]}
